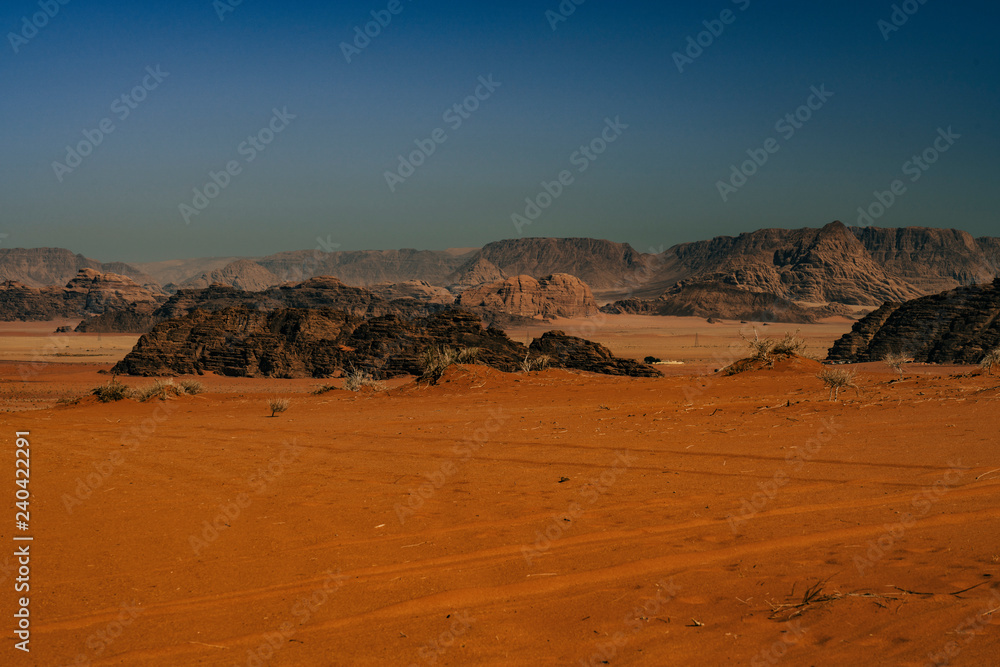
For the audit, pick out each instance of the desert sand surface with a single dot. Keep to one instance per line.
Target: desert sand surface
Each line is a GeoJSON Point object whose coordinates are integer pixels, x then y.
{"type": "Point", "coordinates": [549, 518]}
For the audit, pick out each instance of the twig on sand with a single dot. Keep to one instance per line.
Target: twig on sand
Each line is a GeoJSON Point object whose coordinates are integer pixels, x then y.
{"type": "Point", "coordinates": [695, 623]}
{"type": "Point", "coordinates": [209, 645]}
{"type": "Point", "coordinates": [814, 595]}
{"type": "Point", "coordinates": [987, 473]}
{"type": "Point", "coordinates": [964, 590]}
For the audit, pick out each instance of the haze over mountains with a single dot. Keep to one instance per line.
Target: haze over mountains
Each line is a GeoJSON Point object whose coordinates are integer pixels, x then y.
{"type": "Point", "coordinates": [799, 274]}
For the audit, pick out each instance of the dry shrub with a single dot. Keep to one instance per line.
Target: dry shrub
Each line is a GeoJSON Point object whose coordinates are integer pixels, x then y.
{"type": "Point", "coordinates": [358, 379]}
{"type": "Point", "coordinates": [895, 362]}
{"type": "Point", "coordinates": [436, 360]}
{"type": "Point", "coordinates": [161, 389]}
{"type": "Point", "coordinates": [278, 405]}
{"type": "Point", "coordinates": [836, 379]}
{"type": "Point", "coordinates": [112, 391]}
{"type": "Point", "coordinates": [991, 359]}
{"type": "Point", "coordinates": [192, 387]}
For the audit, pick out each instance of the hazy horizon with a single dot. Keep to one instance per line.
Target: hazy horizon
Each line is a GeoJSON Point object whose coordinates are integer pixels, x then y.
{"type": "Point", "coordinates": [626, 119]}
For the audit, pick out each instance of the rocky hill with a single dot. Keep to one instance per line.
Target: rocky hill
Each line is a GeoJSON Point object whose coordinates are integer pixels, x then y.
{"type": "Point", "coordinates": [89, 293]}
{"type": "Point", "coordinates": [695, 299]}
{"type": "Point", "coordinates": [558, 295]}
{"type": "Point", "coordinates": [243, 274]}
{"type": "Point", "coordinates": [319, 292]}
{"type": "Point", "coordinates": [418, 290]}
{"type": "Point", "coordinates": [932, 260]}
{"type": "Point", "coordinates": [320, 342]}
{"type": "Point", "coordinates": [47, 267]}
{"type": "Point", "coordinates": [477, 271]}
{"type": "Point", "coordinates": [601, 264]}
{"type": "Point", "coordinates": [957, 326]}
{"type": "Point", "coordinates": [811, 265]}
{"type": "Point", "coordinates": [365, 267]}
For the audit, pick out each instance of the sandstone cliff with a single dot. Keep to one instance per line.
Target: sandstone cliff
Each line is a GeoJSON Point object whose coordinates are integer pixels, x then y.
{"type": "Point", "coordinates": [558, 295]}
{"type": "Point", "coordinates": [418, 290]}
{"type": "Point", "coordinates": [90, 292]}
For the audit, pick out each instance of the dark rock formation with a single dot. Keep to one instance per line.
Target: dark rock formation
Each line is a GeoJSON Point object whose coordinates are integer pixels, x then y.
{"type": "Point", "coordinates": [580, 354]}
{"type": "Point", "coordinates": [319, 342]}
{"type": "Point", "coordinates": [958, 326]}
{"type": "Point", "coordinates": [558, 295]}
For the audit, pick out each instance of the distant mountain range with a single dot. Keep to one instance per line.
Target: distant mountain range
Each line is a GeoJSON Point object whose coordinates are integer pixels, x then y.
{"type": "Point", "coordinates": [839, 268]}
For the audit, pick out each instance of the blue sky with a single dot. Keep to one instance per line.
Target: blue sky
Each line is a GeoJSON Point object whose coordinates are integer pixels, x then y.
{"type": "Point", "coordinates": [324, 174]}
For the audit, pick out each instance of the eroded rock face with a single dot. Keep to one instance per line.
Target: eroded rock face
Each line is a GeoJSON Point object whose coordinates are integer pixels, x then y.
{"type": "Point", "coordinates": [108, 291]}
{"type": "Point", "coordinates": [477, 271]}
{"type": "Point", "coordinates": [585, 355]}
{"type": "Point", "coordinates": [90, 292]}
{"type": "Point", "coordinates": [932, 260]}
{"type": "Point", "coordinates": [418, 290]}
{"type": "Point", "coordinates": [958, 326]}
{"type": "Point", "coordinates": [558, 295]}
{"type": "Point", "coordinates": [319, 342]}
{"type": "Point", "coordinates": [719, 301]}
{"type": "Point", "coordinates": [242, 274]}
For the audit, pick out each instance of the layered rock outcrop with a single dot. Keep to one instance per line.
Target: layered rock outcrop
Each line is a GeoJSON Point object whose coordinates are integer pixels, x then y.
{"type": "Point", "coordinates": [90, 292]}
{"type": "Point", "coordinates": [957, 326]}
{"type": "Point", "coordinates": [558, 295]}
{"type": "Point", "coordinates": [418, 290]}
{"type": "Point", "coordinates": [319, 292]}
{"type": "Point", "coordinates": [719, 301]}
{"type": "Point", "coordinates": [319, 342]}
{"type": "Point", "coordinates": [586, 355]}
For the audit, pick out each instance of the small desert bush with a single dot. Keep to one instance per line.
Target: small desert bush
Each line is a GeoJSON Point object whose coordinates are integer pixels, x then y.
{"type": "Point", "coordinates": [767, 348]}
{"type": "Point", "coordinates": [112, 391]}
{"type": "Point", "coordinates": [540, 362]}
{"type": "Point", "coordinates": [836, 379]}
{"type": "Point", "coordinates": [991, 359]}
{"type": "Point", "coordinates": [358, 379]}
{"type": "Point", "coordinates": [895, 362]}
{"type": "Point", "coordinates": [192, 387]}
{"type": "Point", "coordinates": [161, 389]}
{"type": "Point", "coordinates": [278, 405]}
{"type": "Point", "coordinates": [323, 388]}
{"type": "Point", "coordinates": [760, 348]}
{"type": "Point", "coordinates": [788, 346]}
{"type": "Point", "coordinates": [435, 360]}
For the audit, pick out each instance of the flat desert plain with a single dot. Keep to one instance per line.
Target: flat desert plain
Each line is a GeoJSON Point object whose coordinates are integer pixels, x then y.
{"type": "Point", "coordinates": [547, 518]}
